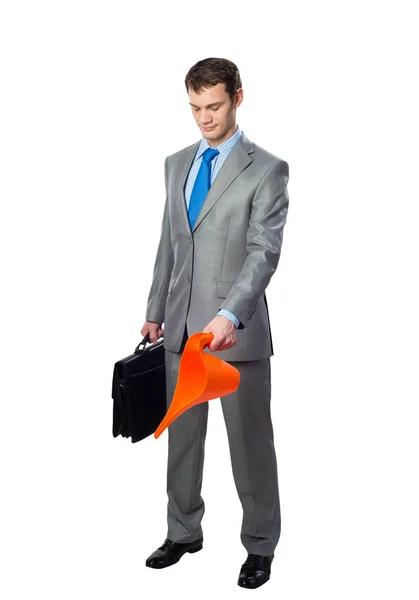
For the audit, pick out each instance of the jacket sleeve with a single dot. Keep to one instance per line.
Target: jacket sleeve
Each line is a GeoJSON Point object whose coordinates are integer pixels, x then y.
{"type": "Point", "coordinates": [263, 243]}
{"type": "Point", "coordinates": [163, 266]}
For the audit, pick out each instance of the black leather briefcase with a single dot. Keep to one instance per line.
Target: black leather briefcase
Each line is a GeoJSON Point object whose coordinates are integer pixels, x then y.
{"type": "Point", "coordinates": [139, 391]}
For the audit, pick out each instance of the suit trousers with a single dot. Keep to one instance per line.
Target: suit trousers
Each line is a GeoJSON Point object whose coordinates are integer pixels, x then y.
{"type": "Point", "coordinates": [247, 418]}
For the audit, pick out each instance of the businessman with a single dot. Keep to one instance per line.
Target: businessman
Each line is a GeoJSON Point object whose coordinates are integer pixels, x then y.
{"type": "Point", "coordinates": [221, 237]}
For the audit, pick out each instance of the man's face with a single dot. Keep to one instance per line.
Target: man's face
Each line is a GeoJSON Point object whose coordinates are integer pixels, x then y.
{"type": "Point", "coordinates": [214, 112]}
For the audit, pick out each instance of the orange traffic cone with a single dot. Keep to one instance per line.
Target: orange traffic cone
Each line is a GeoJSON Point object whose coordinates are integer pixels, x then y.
{"type": "Point", "coordinates": [202, 377]}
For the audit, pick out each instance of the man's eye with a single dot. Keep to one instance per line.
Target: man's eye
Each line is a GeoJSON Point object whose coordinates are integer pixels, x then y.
{"type": "Point", "coordinates": [195, 109]}
{"type": "Point", "coordinates": [216, 108]}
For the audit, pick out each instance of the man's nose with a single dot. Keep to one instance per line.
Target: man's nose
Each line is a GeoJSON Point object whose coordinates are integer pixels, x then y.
{"type": "Point", "coordinates": [205, 117]}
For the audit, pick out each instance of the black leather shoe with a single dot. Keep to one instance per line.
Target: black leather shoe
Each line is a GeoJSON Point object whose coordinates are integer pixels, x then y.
{"type": "Point", "coordinates": [255, 571]}
{"type": "Point", "coordinates": [171, 552]}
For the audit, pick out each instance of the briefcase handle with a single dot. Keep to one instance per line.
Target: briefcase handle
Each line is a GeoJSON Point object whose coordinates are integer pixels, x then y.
{"type": "Point", "coordinates": [145, 340]}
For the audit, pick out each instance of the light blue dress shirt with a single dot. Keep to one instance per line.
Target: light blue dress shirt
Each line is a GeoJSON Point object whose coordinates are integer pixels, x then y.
{"type": "Point", "coordinates": [224, 150]}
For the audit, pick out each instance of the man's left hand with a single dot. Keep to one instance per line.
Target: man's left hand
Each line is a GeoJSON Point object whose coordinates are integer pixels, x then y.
{"type": "Point", "coordinates": [224, 331]}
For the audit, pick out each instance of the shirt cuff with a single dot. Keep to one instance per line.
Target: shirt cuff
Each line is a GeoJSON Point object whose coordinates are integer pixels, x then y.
{"type": "Point", "coordinates": [223, 312]}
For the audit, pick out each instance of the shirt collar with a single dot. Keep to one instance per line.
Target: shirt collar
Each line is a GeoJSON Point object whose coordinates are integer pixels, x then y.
{"type": "Point", "coordinates": [204, 144]}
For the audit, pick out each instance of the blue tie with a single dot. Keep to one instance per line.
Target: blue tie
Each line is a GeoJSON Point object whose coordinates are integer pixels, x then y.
{"type": "Point", "coordinates": [201, 186]}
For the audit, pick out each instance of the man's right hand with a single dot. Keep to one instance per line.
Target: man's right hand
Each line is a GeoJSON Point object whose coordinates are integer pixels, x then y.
{"type": "Point", "coordinates": [154, 329]}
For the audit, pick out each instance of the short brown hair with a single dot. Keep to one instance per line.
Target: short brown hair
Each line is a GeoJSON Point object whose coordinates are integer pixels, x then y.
{"type": "Point", "coordinates": [210, 71]}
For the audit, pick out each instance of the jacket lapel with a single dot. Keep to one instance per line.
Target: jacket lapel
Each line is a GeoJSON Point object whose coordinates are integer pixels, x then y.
{"type": "Point", "coordinates": [238, 159]}
{"type": "Point", "coordinates": [181, 175]}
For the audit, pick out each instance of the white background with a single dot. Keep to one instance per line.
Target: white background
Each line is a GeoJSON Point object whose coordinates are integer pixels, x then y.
{"type": "Point", "coordinates": [92, 100]}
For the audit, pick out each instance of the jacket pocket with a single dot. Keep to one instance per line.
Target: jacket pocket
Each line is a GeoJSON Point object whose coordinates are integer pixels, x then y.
{"type": "Point", "coordinates": [223, 288]}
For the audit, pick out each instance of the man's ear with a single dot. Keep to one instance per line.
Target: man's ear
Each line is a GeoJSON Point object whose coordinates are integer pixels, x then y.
{"type": "Point", "coordinates": [239, 97]}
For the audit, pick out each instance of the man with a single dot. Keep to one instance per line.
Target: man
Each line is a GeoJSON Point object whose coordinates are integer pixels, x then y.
{"type": "Point", "coordinates": [221, 238]}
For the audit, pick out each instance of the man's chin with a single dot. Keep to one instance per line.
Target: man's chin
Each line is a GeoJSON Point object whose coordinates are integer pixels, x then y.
{"type": "Point", "coordinates": [211, 136]}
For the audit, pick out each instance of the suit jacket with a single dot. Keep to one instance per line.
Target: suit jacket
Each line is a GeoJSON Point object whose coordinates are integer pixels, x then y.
{"type": "Point", "coordinates": [229, 257]}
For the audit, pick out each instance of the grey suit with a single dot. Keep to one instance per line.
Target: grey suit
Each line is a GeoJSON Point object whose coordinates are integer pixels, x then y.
{"type": "Point", "coordinates": [226, 261]}
{"type": "Point", "coordinates": [230, 256]}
